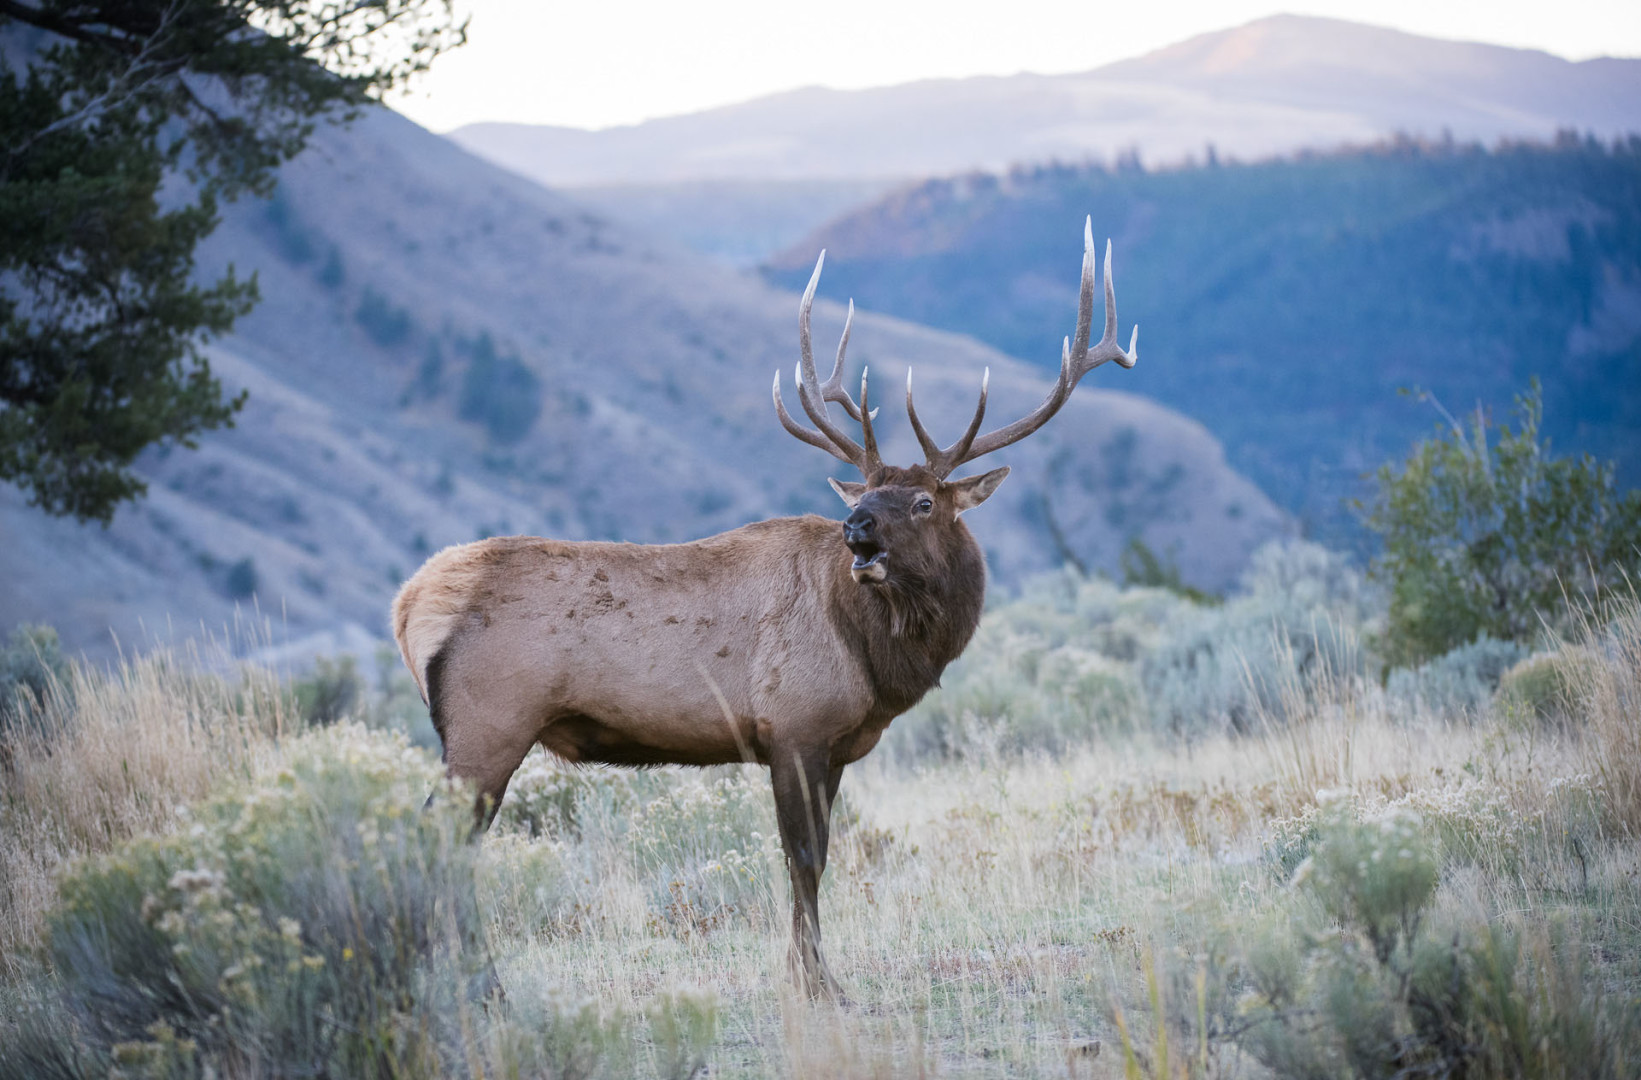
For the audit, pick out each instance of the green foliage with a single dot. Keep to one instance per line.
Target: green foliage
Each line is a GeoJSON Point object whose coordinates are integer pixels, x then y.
{"type": "Point", "coordinates": [1486, 533]}
{"type": "Point", "coordinates": [333, 692]}
{"type": "Point", "coordinates": [499, 392]}
{"type": "Point", "coordinates": [1546, 687]}
{"type": "Point", "coordinates": [32, 668]}
{"type": "Point", "coordinates": [101, 322]}
{"type": "Point", "coordinates": [1375, 876]}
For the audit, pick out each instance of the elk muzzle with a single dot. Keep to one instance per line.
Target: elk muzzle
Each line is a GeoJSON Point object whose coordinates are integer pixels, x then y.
{"type": "Point", "coordinates": [860, 535]}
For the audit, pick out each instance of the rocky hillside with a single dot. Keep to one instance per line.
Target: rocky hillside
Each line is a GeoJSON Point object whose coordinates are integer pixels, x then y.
{"type": "Point", "coordinates": [445, 351]}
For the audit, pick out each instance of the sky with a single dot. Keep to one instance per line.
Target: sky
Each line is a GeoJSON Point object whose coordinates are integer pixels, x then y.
{"type": "Point", "coordinates": [602, 63]}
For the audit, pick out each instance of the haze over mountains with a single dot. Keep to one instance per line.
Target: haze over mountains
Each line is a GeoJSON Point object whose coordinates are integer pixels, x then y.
{"type": "Point", "coordinates": [445, 351]}
{"type": "Point", "coordinates": [1266, 88]}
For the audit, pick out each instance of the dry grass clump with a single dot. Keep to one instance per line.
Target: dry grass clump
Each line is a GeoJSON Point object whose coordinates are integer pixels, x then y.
{"type": "Point", "coordinates": [1607, 693]}
{"type": "Point", "coordinates": [111, 754]}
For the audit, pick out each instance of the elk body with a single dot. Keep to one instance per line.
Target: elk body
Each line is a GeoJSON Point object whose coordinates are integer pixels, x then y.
{"type": "Point", "coordinates": [789, 642]}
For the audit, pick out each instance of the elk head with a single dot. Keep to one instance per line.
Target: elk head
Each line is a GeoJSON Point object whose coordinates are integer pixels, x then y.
{"type": "Point", "coordinates": [903, 522]}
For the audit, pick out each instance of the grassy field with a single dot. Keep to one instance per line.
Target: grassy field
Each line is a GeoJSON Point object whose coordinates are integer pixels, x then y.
{"type": "Point", "coordinates": [1133, 836]}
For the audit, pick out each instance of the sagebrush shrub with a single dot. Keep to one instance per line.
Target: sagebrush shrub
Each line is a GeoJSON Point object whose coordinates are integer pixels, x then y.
{"type": "Point", "coordinates": [299, 926]}
{"type": "Point", "coordinates": [707, 849]}
{"type": "Point", "coordinates": [1458, 683]}
{"type": "Point", "coordinates": [1293, 625]}
{"type": "Point", "coordinates": [1348, 976]}
{"type": "Point", "coordinates": [32, 668]}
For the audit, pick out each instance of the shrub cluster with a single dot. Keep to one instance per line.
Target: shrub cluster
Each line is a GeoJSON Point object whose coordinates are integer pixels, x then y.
{"type": "Point", "coordinates": [1351, 975]}
{"type": "Point", "coordinates": [1074, 656]}
{"type": "Point", "coordinates": [309, 922]}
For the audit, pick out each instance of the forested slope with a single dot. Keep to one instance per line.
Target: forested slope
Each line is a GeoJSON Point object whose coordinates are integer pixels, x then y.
{"type": "Point", "coordinates": [1284, 303]}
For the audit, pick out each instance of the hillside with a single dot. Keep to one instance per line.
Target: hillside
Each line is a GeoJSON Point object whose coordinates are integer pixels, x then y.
{"type": "Point", "coordinates": [1266, 88]}
{"type": "Point", "coordinates": [1285, 303]}
{"type": "Point", "coordinates": [446, 351]}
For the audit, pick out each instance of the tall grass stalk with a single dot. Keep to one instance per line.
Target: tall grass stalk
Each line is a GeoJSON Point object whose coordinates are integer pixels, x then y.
{"type": "Point", "coordinates": [1608, 697]}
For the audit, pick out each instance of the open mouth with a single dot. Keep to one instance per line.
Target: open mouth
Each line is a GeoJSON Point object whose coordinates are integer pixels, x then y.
{"type": "Point", "coordinates": [870, 568]}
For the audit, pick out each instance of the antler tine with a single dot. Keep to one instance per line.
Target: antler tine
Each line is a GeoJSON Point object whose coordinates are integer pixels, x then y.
{"type": "Point", "coordinates": [942, 462]}
{"type": "Point", "coordinates": [813, 438]}
{"type": "Point", "coordinates": [832, 389]}
{"type": "Point", "coordinates": [1076, 358]}
{"type": "Point", "coordinates": [813, 394]}
{"type": "Point", "coordinates": [867, 435]}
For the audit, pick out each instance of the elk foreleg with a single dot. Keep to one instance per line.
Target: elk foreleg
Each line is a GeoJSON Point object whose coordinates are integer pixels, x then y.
{"type": "Point", "coordinates": [805, 784]}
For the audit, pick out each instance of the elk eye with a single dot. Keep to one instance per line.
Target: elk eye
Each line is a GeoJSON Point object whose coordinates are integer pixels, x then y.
{"type": "Point", "coordinates": [925, 505]}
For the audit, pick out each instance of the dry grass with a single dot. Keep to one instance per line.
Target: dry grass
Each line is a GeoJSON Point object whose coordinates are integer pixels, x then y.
{"type": "Point", "coordinates": [114, 754]}
{"type": "Point", "coordinates": [989, 917]}
{"type": "Point", "coordinates": [1608, 698]}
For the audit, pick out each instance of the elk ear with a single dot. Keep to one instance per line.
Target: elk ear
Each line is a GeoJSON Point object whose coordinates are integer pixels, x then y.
{"type": "Point", "coordinates": [849, 492]}
{"type": "Point", "coordinates": [971, 491]}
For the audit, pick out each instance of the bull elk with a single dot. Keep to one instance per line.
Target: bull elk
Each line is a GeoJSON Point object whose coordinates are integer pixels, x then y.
{"type": "Point", "coordinates": [781, 642]}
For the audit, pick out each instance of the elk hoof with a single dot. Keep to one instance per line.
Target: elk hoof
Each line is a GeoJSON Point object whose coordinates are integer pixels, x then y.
{"type": "Point", "coordinates": [814, 980]}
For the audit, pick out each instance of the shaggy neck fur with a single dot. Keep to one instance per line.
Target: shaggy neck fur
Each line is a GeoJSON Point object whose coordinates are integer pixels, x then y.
{"type": "Point", "coordinates": [910, 627]}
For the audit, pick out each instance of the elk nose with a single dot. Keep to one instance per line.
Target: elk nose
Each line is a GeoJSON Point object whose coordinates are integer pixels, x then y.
{"type": "Point", "coordinates": [859, 527]}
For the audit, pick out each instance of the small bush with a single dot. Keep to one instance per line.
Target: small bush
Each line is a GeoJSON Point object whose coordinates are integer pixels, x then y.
{"type": "Point", "coordinates": [1375, 876]}
{"type": "Point", "coordinates": [333, 691]}
{"type": "Point", "coordinates": [1545, 687]}
{"type": "Point", "coordinates": [1293, 626]}
{"type": "Point", "coordinates": [1352, 980]}
{"type": "Point", "coordinates": [545, 796]}
{"type": "Point", "coordinates": [705, 849]}
{"type": "Point", "coordinates": [1459, 683]}
{"type": "Point", "coordinates": [32, 670]}
{"type": "Point", "coordinates": [699, 843]}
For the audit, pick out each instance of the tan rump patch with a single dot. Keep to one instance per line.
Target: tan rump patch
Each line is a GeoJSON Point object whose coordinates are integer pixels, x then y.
{"type": "Point", "coordinates": [435, 598]}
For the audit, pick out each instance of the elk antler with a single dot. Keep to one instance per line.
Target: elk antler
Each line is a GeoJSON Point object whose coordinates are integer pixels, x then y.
{"type": "Point", "coordinates": [814, 394]}
{"type": "Point", "coordinates": [1076, 360]}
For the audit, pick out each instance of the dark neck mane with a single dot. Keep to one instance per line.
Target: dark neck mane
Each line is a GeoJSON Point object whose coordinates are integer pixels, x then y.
{"type": "Point", "coordinates": [907, 631]}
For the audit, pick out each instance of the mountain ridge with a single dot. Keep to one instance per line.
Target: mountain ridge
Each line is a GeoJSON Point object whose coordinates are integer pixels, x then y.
{"type": "Point", "coordinates": [1288, 300]}
{"type": "Point", "coordinates": [1297, 81]}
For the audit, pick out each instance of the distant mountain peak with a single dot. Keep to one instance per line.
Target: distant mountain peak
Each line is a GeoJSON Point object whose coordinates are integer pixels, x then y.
{"type": "Point", "coordinates": [1268, 87]}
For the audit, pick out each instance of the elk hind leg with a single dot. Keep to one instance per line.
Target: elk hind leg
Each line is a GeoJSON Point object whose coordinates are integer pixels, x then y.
{"type": "Point", "coordinates": [485, 735]}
